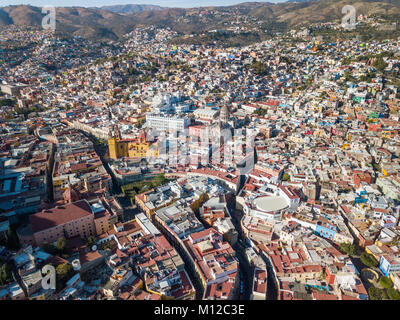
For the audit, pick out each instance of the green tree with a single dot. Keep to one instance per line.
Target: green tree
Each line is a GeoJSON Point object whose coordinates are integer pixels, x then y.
{"type": "Point", "coordinates": [91, 241]}
{"type": "Point", "coordinates": [145, 188]}
{"type": "Point", "coordinates": [108, 245]}
{"type": "Point", "coordinates": [285, 177]}
{"type": "Point", "coordinates": [346, 61]}
{"type": "Point", "coordinates": [379, 64]}
{"type": "Point", "coordinates": [259, 68]}
{"type": "Point", "coordinates": [393, 294]}
{"type": "Point", "coordinates": [348, 76]}
{"type": "Point", "coordinates": [385, 282]}
{"type": "Point", "coordinates": [62, 245]}
{"type": "Point", "coordinates": [376, 167]}
{"type": "Point", "coordinates": [159, 180]}
{"type": "Point", "coordinates": [64, 272]}
{"type": "Point", "coordinates": [5, 273]}
{"type": "Point", "coordinates": [375, 293]}
{"type": "Point", "coordinates": [348, 248]}
{"type": "Point", "coordinates": [369, 260]}
{"type": "Point", "coordinates": [261, 112]}
{"type": "Point", "coordinates": [49, 248]}
{"type": "Point", "coordinates": [323, 94]}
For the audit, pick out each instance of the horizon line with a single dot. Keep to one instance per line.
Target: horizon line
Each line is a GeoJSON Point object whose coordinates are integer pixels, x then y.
{"type": "Point", "coordinates": [151, 4]}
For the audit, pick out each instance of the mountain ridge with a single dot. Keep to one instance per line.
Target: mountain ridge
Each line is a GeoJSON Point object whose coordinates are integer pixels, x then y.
{"type": "Point", "coordinates": [97, 23]}
{"type": "Point", "coordinates": [131, 8]}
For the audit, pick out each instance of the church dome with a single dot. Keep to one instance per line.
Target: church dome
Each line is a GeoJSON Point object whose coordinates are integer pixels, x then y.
{"type": "Point", "coordinates": [224, 113]}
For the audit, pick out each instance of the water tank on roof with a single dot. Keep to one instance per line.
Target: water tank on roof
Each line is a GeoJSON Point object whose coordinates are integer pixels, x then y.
{"type": "Point", "coordinates": [76, 264]}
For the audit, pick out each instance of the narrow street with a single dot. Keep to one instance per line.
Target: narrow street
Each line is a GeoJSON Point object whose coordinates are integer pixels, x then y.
{"type": "Point", "coordinates": [246, 275]}
{"type": "Point", "coordinates": [191, 272]}
{"type": "Point", "coordinates": [272, 290]}
{"type": "Point", "coordinates": [49, 173]}
{"type": "Point", "coordinates": [245, 268]}
{"type": "Point", "coordinates": [101, 150]}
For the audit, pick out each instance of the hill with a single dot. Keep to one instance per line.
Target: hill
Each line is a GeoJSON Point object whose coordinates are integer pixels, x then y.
{"type": "Point", "coordinates": [131, 8]}
{"type": "Point", "coordinates": [112, 22]}
{"type": "Point", "coordinates": [86, 22]}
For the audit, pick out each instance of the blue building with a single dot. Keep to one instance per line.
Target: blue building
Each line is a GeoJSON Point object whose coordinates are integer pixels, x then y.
{"type": "Point", "coordinates": [326, 230]}
{"type": "Point", "coordinates": [388, 264]}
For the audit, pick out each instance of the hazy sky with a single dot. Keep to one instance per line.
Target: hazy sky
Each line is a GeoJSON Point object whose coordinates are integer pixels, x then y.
{"type": "Point", "coordinates": [99, 3]}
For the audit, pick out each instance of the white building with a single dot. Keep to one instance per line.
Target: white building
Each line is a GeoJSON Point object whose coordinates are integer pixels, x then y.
{"type": "Point", "coordinates": [206, 113]}
{"type": "Point", "coordinates": [163, 122]}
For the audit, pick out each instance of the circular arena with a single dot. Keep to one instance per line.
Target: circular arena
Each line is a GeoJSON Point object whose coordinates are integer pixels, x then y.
{"type": "Point", "coordinates": [270, 203]}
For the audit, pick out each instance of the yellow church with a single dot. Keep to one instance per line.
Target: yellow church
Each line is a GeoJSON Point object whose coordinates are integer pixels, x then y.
{"type": "Point", "coordinates": [131, 148]}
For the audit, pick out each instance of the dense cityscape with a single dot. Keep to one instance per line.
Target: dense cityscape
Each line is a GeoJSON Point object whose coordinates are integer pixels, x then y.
{"type": "Point", "coordinates": [150, 168]}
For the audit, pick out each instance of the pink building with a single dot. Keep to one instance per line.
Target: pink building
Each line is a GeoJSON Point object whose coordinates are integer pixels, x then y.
{"type": "Point", "coordinates": [196, 130]}
{"type": "Point", "coordinates": [70, 220]}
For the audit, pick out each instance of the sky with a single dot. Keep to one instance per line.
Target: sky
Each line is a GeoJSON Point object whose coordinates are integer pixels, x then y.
{"type": "Point", "coordinates": [99, 3]}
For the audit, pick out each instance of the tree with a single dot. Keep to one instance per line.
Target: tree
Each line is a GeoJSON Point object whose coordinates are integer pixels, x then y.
{"type": "Point", "coordinates": [159, 180]}
{"type": "Point", "coordinates": [259, 68]}
{"type": "Point", "coordinates": [346, 61]}
{"type": "Point", "coordinates": [261, 112]}
{"type": "Point", "coordinates": [285, 177]}
{"type": "Point", "coordinates": [108, 245]}
{"type": "Point", "coordinates": [5, 273]}
{"type": "Point", "coordinates": [379, 64]}
{"type": "Point", "coordinates": [12, 239]}
{"type": "Point", "coordinates": [348, 248]}
{"type": "Point", "coordinates": [393, 294]}
{"type": "Point", "coordinates": [64, 272]}
{"type": "Point", "coordinates": [7, 102]}
{"type": "Point", "coordinates": [385, 282]}
{"type": "Point", "coordinates": [375, 293]}
{"type": "Point", "coordinates": [376, 167]}
{"type": "Point", "coordinates": [369, 260]}
{"type": "Point", "coordinates": [62, 245]}
{"type": "Point", "coordinates": [348, 76]}
{"type": "Point", "coordinates": [49, 248]}
{"type": "Point", "coordinates": [144, 188]}
{"type": "Point", "coordinates": [91, 241]}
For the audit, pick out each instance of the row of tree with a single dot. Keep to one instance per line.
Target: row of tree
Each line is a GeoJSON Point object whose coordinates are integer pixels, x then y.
{"type": "Point", "coordinates": [61, 248]}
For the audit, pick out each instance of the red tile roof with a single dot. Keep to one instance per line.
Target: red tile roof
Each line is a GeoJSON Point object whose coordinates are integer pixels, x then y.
{"type": "Point", "coordinates": [59, 215]}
